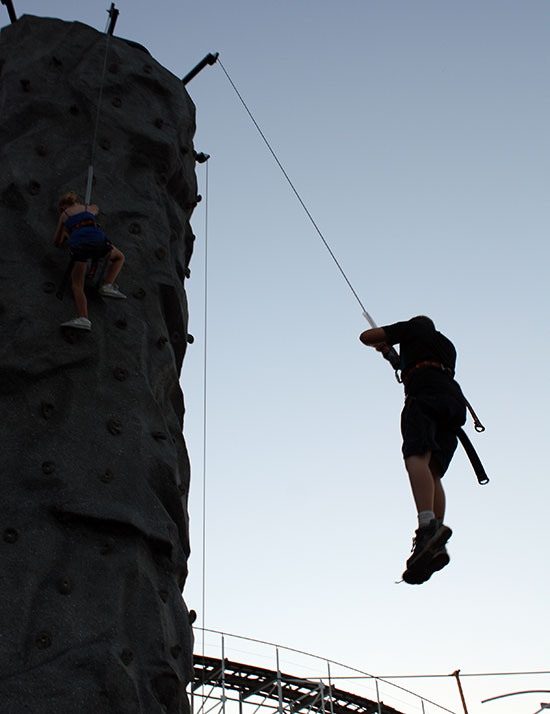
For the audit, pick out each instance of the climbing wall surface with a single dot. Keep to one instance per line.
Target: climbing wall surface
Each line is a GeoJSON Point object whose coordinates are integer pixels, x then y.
{"type": "Point", "coordinates": [94, 529]}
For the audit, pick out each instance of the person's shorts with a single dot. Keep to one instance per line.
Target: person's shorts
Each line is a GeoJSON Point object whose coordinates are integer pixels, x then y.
{"type": "Point", "coordinates": [430, 423]}
{"type": "Point", "coordinates": [82, 252]}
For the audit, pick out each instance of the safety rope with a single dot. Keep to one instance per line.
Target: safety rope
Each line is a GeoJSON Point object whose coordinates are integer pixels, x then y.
{"type": "Point", "coordinates": [392, 357]}
{"type": "Point", "coordinates": [88, 197]}
{"type": "Point", "coordinates": [204, 408]}
{"type": "Point", "coordinates": [285, 174]}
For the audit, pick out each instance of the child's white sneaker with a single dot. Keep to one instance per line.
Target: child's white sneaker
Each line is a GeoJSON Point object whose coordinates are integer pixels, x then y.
{"type": "Point", "coordinates": [80, 323]}
{"type": "Point", "coordinates": [112, 291]}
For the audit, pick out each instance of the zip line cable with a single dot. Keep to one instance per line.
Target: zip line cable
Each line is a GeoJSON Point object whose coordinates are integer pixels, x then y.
{"type": "Point", "coordinates": [279, 164]}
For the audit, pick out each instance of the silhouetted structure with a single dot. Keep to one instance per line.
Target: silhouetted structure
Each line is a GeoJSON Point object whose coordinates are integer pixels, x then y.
{"type": "Point", "coordinates": [94, 534]}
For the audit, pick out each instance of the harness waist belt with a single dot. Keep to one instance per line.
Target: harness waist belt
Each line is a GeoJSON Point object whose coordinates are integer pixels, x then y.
{"type": "Point", "coordinates": [426, 363]}
{"type": "Point", "coordinates": [87, 222]}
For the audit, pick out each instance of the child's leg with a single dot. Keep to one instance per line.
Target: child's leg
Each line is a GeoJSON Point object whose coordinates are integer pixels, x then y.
{"type": "Point", "coordinates": [117, 260]}
{"type": "Point", "coordinates": [77, 276]}
{"type": "Point", "coordinates": [422, 481]}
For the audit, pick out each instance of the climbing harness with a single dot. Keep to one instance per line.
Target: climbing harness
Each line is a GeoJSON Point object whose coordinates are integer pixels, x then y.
{"type": "Point", "coordinates": [461, 434]}
{"type": "Point", "coordinates": [478, 426]}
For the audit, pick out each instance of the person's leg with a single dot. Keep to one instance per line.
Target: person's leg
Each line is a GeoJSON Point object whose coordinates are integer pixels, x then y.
{"type": "Point", "coordinates": [439, 493]}
{"type": "Point", "coordinates": [77, 277]}
{"type": "Point", "coordinates": [422, 481]}
{"type": "Point", "coordinates": [117, 261]}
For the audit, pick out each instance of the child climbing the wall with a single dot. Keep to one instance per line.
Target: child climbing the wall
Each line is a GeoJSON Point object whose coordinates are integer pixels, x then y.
{"type": "Point", "coordinates": [434, 410]}
{"type": "Point", "coordinates": [86, 241]}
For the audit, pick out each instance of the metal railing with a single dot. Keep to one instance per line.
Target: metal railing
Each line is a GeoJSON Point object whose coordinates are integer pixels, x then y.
{"type": "Point", "coordinates": [240, 675]}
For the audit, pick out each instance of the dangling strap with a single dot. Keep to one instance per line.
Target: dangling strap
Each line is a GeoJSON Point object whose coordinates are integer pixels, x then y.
{"type": "Point", "coordinates": [478, 426]}
{"type": "Point", "coordinates": [474, 458]}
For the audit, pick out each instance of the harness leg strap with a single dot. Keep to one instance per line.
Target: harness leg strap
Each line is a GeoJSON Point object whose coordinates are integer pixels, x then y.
{"type": "Point", "coordinates": [471, 453]}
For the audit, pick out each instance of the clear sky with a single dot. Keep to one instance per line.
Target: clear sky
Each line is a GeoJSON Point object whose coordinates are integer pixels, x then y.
{"type": "Point", "coordinates": [417, 133]}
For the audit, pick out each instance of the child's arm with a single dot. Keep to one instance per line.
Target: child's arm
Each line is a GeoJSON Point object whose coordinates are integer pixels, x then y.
{"type": "Point", "coordinates": [60, 231]}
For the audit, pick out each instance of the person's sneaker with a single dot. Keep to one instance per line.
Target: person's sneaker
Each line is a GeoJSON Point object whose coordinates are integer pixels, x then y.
{"type": "Point", "coordinates": [80, 323]}
{"type": "Point", "coordinates": [428, 544]}
{"type": "Point", "coordinates": [111, 291]}
{"type": "Point", "coordinates": [440, 559]}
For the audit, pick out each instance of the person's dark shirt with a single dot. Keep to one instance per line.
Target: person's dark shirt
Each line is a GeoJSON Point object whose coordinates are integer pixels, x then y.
{"type": "Point", "coordinates": [419, 342]}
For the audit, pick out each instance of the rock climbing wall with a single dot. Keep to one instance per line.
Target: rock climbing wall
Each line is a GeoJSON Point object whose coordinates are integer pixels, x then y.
{"type": "Point", "coordinates": [94, 527]}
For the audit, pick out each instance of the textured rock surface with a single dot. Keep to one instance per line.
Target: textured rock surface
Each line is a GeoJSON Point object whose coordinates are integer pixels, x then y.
{"type": "Point", "coordinates": [93, 532]}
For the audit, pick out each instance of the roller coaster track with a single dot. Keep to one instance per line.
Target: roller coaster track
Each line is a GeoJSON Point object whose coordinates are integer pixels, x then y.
{"type": "Point", "coordinates": [286, 693]}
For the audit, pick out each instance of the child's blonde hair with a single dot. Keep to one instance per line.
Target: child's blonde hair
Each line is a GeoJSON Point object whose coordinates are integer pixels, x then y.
{"type": "Point", "coordinates": [69, 199]}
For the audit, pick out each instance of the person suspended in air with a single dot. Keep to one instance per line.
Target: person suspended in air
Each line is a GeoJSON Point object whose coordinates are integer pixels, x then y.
{"type": "Point", "coordinates": [86, 241]}
{"type": "Point", "coordinates": [434, 410]}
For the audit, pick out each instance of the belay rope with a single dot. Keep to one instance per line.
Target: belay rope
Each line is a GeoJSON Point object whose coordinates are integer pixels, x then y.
{"type": "Point", "coordinates": [113, 14]}
{"type": "Point", "coordinates": [88, 197]}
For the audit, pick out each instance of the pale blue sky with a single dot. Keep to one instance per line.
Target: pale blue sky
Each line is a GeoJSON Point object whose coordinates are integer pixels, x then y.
{"type": "Point", "coordinates": [417, 134]}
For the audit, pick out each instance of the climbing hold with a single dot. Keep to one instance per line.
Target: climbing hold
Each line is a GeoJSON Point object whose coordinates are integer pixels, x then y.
{"type": "Point", "coordinates": [114, 426]}
{"type": "Point", "coordinates": [199, 198]}
{"type": "Point", "coordinates": [46, 409]}
{"type": "Point", "coordinates": [107, 547]}
{"type": "Point", "coordinates": [69, 335]}
{"type": "Point", "coordinates": [147, 68]}
{"type": "Point", "coordinates": [43, 640]}
{"type": "Point", "coordinates": [161, 341]}
{"type": "Point", "coordinates": [11, 535]}
{"type": "Point", "coordinates": [48, 287]}
{"type": "Point", "coordinates": [159, 435]}
{"type": "Point", "coordinates": [201, 157]}
{"type": "Point", "coordinates": [65, 586]}
{"type": "Point", "coordinates": [190, 338]}
{"type": "Point", "coordinates": [159, 123]}
{"type": "Point", "coordinates": [26, 85]}
{"type": "Point", "coordinates": [163, 595]}
{"type": "Point", "coordinates": [160, 253]}
{"type": "Point", "coordinates": [126, 656]}
{"type": "Point", "coordinates": [116, 102]}
{"type": "Point", "coordinates": [175, 650]}
{"type": "Point", "coordinates": [42, 150]}
{"type": "Point", "coordinates": [48, 467]}
{"type": "Point", "coordinates": [121, 323]}
{"type": "Point", "coordinates": [139, 294]}
{"type": "Point", "coordinates": [34, 188]}
{"type": "Point", "coordinates": [107, 476]}
{"type": "Point", "coordinates": [105, 144]}
{"type": "Point", "coordinates": [120, 374]}
{"type": "Point", "coordinates": [135, 228]}
{"type": "Point", "coordinates": [74, 109]}
{"type": "Point", "coordinates": [192, 616]}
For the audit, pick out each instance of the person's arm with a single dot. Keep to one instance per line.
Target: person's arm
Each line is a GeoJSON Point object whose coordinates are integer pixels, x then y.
{"type": "Point", "coordinates": [373, 337]}
{"type": "Point", "coordinates": [60, 231]}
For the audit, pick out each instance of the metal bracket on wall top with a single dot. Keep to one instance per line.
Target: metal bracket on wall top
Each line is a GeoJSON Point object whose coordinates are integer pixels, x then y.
{"type": "Point", "coordinates": [11, 10]}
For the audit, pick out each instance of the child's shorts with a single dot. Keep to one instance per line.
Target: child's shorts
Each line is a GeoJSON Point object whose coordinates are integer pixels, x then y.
{"type": "Point", "coordinates": [82, 252]}
{"type": "Point", "coordinates": [430, 423]}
